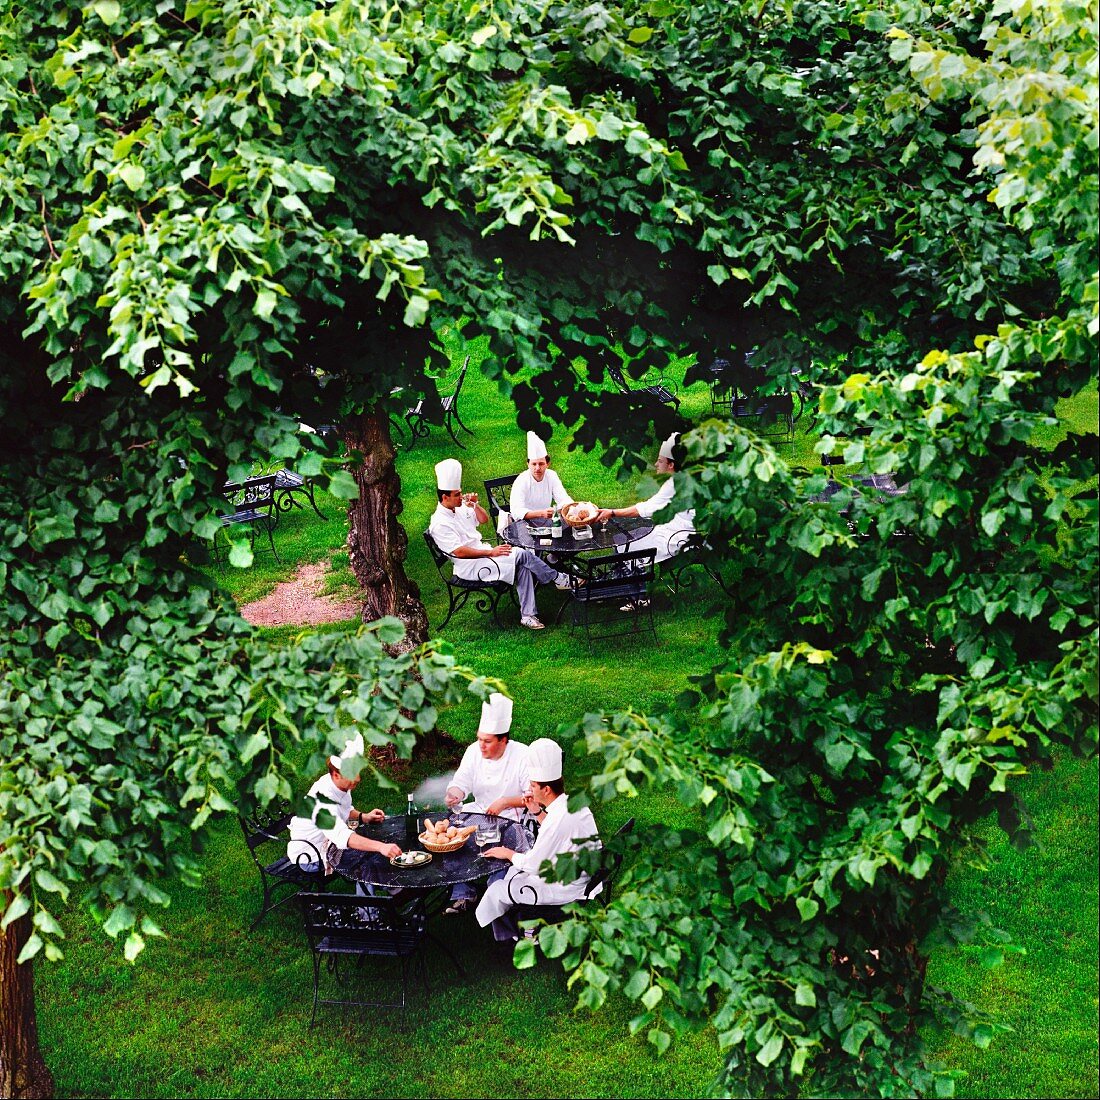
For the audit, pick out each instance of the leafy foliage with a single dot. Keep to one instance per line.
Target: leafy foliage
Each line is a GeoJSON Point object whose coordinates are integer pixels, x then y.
{"type": "Point", "coordinates": [894, 660]}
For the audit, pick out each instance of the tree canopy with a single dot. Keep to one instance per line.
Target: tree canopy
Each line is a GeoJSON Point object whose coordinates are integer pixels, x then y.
{"type": "Point", "coordinates": [217, 218]}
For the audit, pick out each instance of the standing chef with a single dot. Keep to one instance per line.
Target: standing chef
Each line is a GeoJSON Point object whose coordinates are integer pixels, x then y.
{"type": "Point", "coordinates": [454, 527]}
{"type": "Point", "coordinates": [561, 831]}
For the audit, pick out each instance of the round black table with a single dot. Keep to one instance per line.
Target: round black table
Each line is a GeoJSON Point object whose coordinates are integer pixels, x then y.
{"type": "Point", "coordinates": [444, 870]}
{"type": "Point", "coordinates": [616, 532]}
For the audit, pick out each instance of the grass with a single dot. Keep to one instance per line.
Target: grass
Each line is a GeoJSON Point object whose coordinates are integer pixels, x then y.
{"type": "Point", "coordinates": [218, 1011]}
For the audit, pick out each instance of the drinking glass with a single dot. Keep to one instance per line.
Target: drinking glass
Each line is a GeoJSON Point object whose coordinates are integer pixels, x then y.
{"type": "Point", "coordinates": [484, 836]}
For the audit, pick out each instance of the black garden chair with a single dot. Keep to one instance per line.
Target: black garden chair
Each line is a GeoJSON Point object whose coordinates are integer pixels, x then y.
{"type": "Point", "coordinates": [487, 593]}
{"type": "Point", "coordinates": [345, 931]}
{"type": "Point", "coordinates": [611, 594]}
{"type": "Point", "coordinates": [524, 895]}
{"type": "Point", "coordinates": [663, 391]}
{"type": "Point", "coordinates": [498, 492]}
{"type": "Point", "coordinates": [279, 875]}
{"type": "Point", "coordinates": [253, 506]}
{"type": "Point", "coordinates": [418, 422]}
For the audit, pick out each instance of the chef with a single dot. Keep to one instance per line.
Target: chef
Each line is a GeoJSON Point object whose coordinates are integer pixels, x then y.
{"type": "Point", "coordinates": [312, 847]}
{"type": "Point", "coordinates": [538, 490]}
{"type": "Point", "coordinates": [561, 831]}
{"type": "Point", "coordinates": [454, 527]}
{"type": "Point", "coordinates": [667, 538]}
{"type": "Point", "coordinates": [494, 770]}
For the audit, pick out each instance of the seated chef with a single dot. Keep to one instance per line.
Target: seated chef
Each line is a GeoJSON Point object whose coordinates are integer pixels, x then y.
{"type": "Point", "coordinates": [538, 490]}
{"type": "Point", "coordinates": [561, 831]}
{"type": "Point", "coordinates": [454, 527]}
{"type": "Point", "coordinates": [310, 846]}
{"type": "Point", "coordinates": [494, 771]}
{"type": "Point", "coordinates": [666, 538]}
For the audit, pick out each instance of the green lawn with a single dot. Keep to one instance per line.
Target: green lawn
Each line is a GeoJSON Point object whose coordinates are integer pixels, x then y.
{"type": "Point", "coordinates": [217, 1011]}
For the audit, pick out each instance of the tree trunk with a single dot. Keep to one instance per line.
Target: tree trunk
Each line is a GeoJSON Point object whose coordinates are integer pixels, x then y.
{"type": "Point", "coordinates": [23, 1073]}
{"type": "Point", "coordinates": [377, 543]}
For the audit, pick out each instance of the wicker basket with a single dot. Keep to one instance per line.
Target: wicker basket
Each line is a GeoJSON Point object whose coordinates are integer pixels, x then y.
{"type": "Point", "coordinates": [567, 510]}
{"type": "Point", "coordinates": [442, 845]}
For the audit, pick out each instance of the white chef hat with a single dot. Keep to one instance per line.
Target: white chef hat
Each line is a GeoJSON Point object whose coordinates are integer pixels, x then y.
{"type": "Point", "coordinates": [448, 475]}
{"type": "Point", "coordinates": [496, 714]}
{"type": "Point", "coordinates": [352, 747]}
{"type": "Point", "coordinates": [666, 447]}
{"type": "Point", "coordinates": [535, 447]}
{"type": "Point", "coordinates": [544, 760]}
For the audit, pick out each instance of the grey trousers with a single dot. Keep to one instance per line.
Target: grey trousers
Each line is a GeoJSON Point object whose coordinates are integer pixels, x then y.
{"type": "Point", "coordinates": [530, 568]}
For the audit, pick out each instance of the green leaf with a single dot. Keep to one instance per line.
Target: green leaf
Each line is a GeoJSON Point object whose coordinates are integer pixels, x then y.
{"type": "Point", "coordinates": [31, 948]}
{"type": "Point", "coordinates": [637, 985]}
{"type": "Point", "coordinates": [240, 555]}
{"type": "Point", "coordinates": [640, 34]}
{"type": "Point", "coordinates": [131, 174]}
{"type": "Point", "coordinates": [107, 10]}
{"type": "Point", "coordinates": [804, 995]}
{"type": "Point", "coordinates": [652, 997]}
{"type": "Point", "coordinates": [770, 1050]}
{"type": "Point", "coordinates": [133, 947]}
{"type": "Point", "coordinates": [20, 905]}
{"type": "Point", "coordinates": [342, 486]}
{"type": "Point", "coordinates": [524, 955]}
{"type": "Point", "coordinates": [807, 907]}
{"type": "Point", "coordinates": [120, 919]}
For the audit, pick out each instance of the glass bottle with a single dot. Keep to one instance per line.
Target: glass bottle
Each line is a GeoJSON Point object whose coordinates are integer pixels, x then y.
{"type": "Point", "coordinates": [411, 830]}
{"type": "Point", "coordinates": [555, 524]}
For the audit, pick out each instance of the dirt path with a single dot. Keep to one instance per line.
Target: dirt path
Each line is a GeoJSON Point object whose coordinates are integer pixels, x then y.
{"type": "Point", "coordinates": [298, 603]}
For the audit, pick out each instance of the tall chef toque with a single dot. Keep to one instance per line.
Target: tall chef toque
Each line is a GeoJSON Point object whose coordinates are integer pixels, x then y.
{"type": "Point", "coordinates": [666, 447]}
{"type": "Point", "coordinates": [496, 714]}
{"type": "Point", "coordinates": [448, 475]}
{"type": "Point", "coordinates": [535, 447]}
{"type": "Point", "coordinates": [352, 747]}
{"type": "Point", "coordinates": [544, 760]}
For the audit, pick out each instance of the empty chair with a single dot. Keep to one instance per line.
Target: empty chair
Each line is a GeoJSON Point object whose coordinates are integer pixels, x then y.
{"type": "Point", "coordinates": [417, 420]}
{"type": "Point", "coordinates": [253, 505]}
{"type": "Point", "coordinates": [662, 390]}
{"type": "Point", "coordinates": [344, 929]}
{"type": "Point", "coordinates": [497, 497]}
{"type": "Point", "coordinates": [611, 594]}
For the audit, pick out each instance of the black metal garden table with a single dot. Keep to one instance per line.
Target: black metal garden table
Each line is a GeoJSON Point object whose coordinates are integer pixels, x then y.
{"type": "Point", "coordinates": [431, 881]}
{"type": "Point", "coordinates": [617, 533]}
{"type": "Point", "coordinates": [445, 869]}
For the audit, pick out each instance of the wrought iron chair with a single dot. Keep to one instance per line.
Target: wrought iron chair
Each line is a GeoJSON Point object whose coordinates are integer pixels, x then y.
{"type": "Point", "coordinates": [498, 498]}
{"type": "Point", "coordinates": [684, 551]}
{"type": "Point", "coordinates": [344, 928]}
{"type": "Point", "coordinates": [663, 391]}
{"type": "Point", "coordinates": [486, 593]}
{"type": "Point", "coordinates": [611, 594]}
{"type": "Point", "coordinates": [524, 895]}
{"type": "Point", "coordinates": [417, 420]}
{"type": "Point", "coordinates": [282, 875]}
{"type": "Point", "coordinates": [253, 504]}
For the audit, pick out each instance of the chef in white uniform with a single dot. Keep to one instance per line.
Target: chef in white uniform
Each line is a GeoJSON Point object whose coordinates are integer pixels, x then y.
{"type": "Point", "coordinates": [311, 846]}
{"type": "Point", "coordinates": [561, 831]}
{"type": "Point", "coordinates": [538, 489]}
{"type": "Point", "coordinates": [454, 527]}
{"type": "Point", "coordinates": [667, 538]}
{"type": "Point", "coordinates": [494, 771]}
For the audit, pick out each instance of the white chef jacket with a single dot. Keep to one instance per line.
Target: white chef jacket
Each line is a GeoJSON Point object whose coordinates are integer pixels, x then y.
{"type": "Point", "coordinates": [329, 797]}
{"type": "Point", "coordinates": [560, 831]}
{"type": "Point", "coordinates": [529, 495]}
{"type": "Point", "coordinates": [489, 780]}
{"type": "Point", "coordinates": [666, 538]}
{"type": "Point", "coordinates": [452, 529]}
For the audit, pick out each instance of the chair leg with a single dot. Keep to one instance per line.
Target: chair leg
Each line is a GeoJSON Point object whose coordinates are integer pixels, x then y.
{"type": "Point", "coordinates": [316, 985]}
{"type": "Point", "coordinates": [450, 429]}
{"type": "Point", "coordinates": [312, 501]}
{"type": "Point", "coordinates": [271, 540]}
{"type": "Point", "coordinates": [461, 423]}
{"type": "Point", "coordinates": [456, 604]}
